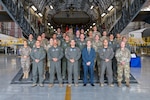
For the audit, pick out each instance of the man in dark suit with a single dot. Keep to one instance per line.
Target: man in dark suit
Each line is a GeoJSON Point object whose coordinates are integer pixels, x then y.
{"type": "Point", "coordinates": [88, 56]}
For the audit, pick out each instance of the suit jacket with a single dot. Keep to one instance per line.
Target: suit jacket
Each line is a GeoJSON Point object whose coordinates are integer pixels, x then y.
{"type": "Point", "coordinates": [86, 57]}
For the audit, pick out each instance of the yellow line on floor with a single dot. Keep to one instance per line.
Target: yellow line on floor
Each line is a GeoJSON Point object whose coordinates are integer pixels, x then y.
{"type": "Point", "coordinates": [68, 93]}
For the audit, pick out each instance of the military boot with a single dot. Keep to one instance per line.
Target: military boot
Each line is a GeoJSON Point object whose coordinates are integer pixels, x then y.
{"type": "Point", "coordinates": [27, 75]}
{"type": "Point", "coordinates": [127, 84]}
{"type": "Point", "coordinates": [119, 84]}
{"type": "Point", "coordinates": [24, 76]}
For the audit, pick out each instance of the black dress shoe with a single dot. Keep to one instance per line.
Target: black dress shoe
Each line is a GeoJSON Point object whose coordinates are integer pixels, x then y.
{"type": "Point", "coordinates": [84, 84]}
{"type": "Point", "coordinates": [92, 85]}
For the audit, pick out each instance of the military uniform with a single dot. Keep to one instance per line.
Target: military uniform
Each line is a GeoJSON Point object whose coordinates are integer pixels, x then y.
{"type": "Point", "coordinates": [25, 62]}
{"type": "Point", "coordinates": [106, 53]}
{"type": "Point", "coordinates": [103, 37]}
{"type": "Point", "coordinates": [123, 56]}
{"type": "Point", "coordinates": [48, 62]}
{"type": "Point", "coordinates": [38, 68]}
{"type": "Point", "coordinates": [55, 52]}
{"type": "Point", "coordinates": [44, 44]}
{"type": "Point", "coordinates": [97, 45]}
{"type": "Point", "coordinates": [64, 45]}
{"type": "Point", "coordinates": [88, 38]}
{"type": "Point", "coordinates": [112, 44]}
{"type": "Point", "coordinates": [81, 45]}
{"type": "Point", "coordinates": [31, 43]}
{"type": "Point", "coordinates": [96, 32]}
{"type": "Point", "coordinates": [72, 53]}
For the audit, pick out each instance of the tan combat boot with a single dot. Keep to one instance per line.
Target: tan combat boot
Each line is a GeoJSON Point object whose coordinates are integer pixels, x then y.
{"type": "Point", "coordinates": [51, 85]}
{"type": "Point", "coordinates": [127, 84]}
{"type": "Point", "coordinates": [27, 75]}
{"type": "Point", "coordinates": [119, 84]}
{"type": "Point", "coordinates": [60, 85]}
{"type": "Point", "coordinates": [24, 76]}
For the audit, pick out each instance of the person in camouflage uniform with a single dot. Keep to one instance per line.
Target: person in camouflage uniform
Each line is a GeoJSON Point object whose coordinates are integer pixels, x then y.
{"type": "Point", "coordinates": [90, 36]}
{"type": "Point", "coordinates": [25, 59]}
{"type": "Point", "coordinates": [104, 36]}
{"type": "Point", "coordinates": [123, 60]}
{"type": "Point", "coordinates": [50, 44]}
{"type": "Point", "coordinates": [95, 31]}
{"type": "Point", "coordinates": [44, 43]}
{"type": "Point", "coordinates": [96, 45]}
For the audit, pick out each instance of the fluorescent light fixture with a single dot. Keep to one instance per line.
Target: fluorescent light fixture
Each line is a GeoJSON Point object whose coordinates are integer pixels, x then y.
{"type": "Point", "coordinates": [91, 7]}
{"type": "Point", "coordinates": [146, 9]}
{"type": "Point", "coordinates": [51, 26]}
{"type": "Point", "coordinates": [40, 14]}
{"type": "Point", "coordinates": [90, 26]}
{"type": "Point", "coordinates": [34, 8]}
{"type": "Point", "coordinates": [51, 7]}
{"type": "Point", "coordinates": [54, 30]}
{"type": "Point", "coordinates": [87, 29]}
{"type": "Point", "coordinates": [102, 15]}
{"type": "Point", "coordinates": [94, 24]}
{"type": "Point", "coordinates": [110, 8]}
{"type": "Point", "coordinates": [48, 24]}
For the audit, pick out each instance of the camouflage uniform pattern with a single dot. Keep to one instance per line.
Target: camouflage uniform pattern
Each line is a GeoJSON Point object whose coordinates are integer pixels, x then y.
{"type": "Point", "coordinates": [123, 56]}
{"type": "Point", "coordinates": [25, 62]}
{"type": "Point", "coordinates": [94, 33]}
{"type": "Point", "coordinates": [96, 46]}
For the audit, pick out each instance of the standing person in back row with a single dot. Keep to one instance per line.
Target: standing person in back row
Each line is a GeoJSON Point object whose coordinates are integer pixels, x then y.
{"type": "Point", "coordinates": [123, 60]}
{"type": "Point", "coordinates": [31, 41]}
{"type": "Point", "coordinates": [38, 56]}
{"type": "Point", "coordinates": [64, 45]}
{"type": "Point", "coordinates": [88, 57]}
{"type": "Point", "coordinates": [55, 54]}
{"type": "Point", "coordinates": [72, 54]}
{"type": "Point", "coordinates": [106, 54]}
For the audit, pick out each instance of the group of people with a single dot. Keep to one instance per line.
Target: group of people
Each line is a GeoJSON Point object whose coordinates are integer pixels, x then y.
{"type": "Point", "coordinates": [67, 54]}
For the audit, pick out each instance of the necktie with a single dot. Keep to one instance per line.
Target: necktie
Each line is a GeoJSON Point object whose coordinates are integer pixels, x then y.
{"type": "Point", "coordinates": [88, 50]}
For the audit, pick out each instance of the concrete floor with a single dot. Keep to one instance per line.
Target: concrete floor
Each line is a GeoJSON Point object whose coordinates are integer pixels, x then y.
{"type": "Point", "coordinates": [10, 65]}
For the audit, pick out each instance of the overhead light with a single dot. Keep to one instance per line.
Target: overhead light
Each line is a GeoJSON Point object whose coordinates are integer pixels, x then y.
{"type": "Point", "coordinates": [34, 8]}
{"type": "Point", "coordinates": [146, 9]}
{"type": "Point", "coordinates": [54, 30]}
{"type": "Point", "coordinates": [51, 26]}
{"type": "Point", "coordinates": [102, 15]}
{"type": "Point", "coordinates": [40, 14]}
{"type": "Point", "coordinates": [51, 7]}
{"type": "Point", "coordinates": [48, 24]}
{"type": "Point", "coordinates": [87, 29]}
{"type": "Point", "coordinates": [91, 7]}
{"type": "Point", "coordinates": [94, 24]}
{"type": "Point", "coordinates": [90, 26]}
{"type": "Point", "coordinates": [110, 8]}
